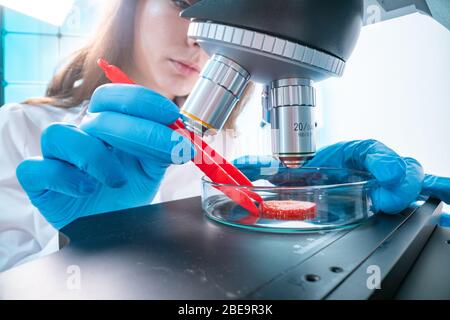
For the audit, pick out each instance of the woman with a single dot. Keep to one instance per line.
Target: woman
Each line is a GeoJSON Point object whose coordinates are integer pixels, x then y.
{"type": "Point", "coordinates": [148, 40]}
{"type": "Point", "coordinates": [71, 165]}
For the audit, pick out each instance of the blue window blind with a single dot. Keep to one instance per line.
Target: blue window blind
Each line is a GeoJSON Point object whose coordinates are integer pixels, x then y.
{"type": "Point", "coordinates": [32, 50]}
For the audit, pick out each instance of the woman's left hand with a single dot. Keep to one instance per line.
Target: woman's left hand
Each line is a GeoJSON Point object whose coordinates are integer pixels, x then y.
{"type": "Point", "coordinates": [400, 179]}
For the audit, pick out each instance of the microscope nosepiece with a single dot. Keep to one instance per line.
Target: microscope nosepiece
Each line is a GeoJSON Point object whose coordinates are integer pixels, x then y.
{"type": "Point", "coordinates": [293, 123]}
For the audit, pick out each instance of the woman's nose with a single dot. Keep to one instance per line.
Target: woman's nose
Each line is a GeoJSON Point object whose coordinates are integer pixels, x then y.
{"type": "Point", "coordinates": [192, 42]}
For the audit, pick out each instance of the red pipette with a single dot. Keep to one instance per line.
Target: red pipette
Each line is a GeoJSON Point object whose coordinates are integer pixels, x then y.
{"type": "Point", "coordinates": [113, 73]}
{"type": "Point", "coordinates": [217, 168]}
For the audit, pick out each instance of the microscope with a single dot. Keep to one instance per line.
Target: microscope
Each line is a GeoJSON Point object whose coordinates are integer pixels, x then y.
{"type": "Point", "coordinates": [286, 45]}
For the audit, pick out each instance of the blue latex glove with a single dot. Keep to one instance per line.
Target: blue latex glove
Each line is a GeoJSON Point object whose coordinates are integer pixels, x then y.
{"type": "Point", "coordinates": [437, 187]}
{"type": "Point", "coordinates": [400, 180]}
{"type": "Point", "coordinates": [112, 162]}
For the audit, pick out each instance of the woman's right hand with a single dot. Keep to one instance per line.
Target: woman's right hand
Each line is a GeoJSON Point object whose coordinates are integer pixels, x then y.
{"type": "Point", "coordinates": [115, 161]}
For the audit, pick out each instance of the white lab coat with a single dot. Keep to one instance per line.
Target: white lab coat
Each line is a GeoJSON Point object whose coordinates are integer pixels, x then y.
{"type": "Point", "coordinates": [24, 233]}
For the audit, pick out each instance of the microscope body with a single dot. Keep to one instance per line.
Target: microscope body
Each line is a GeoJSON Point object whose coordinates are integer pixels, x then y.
{"type": "Point", "coordinates": [262, 41]}
{"type": "Point", "coordinates": [284, 45]}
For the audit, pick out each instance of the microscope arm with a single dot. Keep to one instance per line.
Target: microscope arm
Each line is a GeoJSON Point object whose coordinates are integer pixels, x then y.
{"type": "Point", "coordinates": [381, 10]}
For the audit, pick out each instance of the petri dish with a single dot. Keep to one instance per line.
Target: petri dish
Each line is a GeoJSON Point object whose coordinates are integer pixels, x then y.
{"type": "Point", "coordinates": [342, 198]}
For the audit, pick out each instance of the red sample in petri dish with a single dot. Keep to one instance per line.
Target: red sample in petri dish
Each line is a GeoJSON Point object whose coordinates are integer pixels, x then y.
{"type": "Point", "coordinates": [288, 210]}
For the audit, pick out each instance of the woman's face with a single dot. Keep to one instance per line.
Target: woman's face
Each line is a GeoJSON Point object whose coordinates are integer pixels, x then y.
{"type": "Point", "coordinates": [165, 59]}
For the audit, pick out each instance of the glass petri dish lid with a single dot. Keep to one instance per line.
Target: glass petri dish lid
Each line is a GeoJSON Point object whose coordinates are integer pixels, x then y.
{"type": "Point", "coordinates": [331, 198]}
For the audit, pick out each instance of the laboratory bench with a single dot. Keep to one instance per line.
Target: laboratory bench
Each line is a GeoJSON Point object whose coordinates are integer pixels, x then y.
{"type": "Point", "coordinates": [172, 251]}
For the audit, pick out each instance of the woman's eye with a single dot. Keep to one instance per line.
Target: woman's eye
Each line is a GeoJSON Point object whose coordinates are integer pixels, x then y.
{"type": "Point", "coordinates": [181, 4]}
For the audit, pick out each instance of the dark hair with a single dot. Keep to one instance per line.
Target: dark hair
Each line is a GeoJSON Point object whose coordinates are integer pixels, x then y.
{"type": "Point", "coordinates": [113, 41]}
{"type": "Point", "coordinates": [77, 81]}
